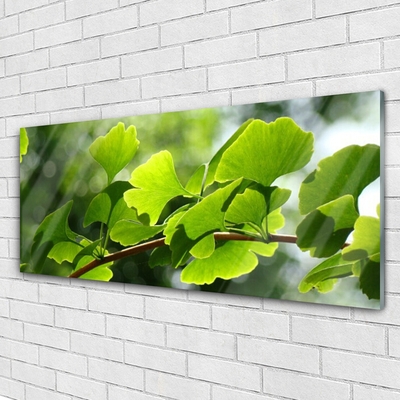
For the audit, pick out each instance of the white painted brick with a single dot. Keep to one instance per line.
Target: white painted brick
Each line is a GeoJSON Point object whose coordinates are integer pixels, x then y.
{"type": "Point", "coordinates": [11, 329]}
{"type": "Point", "coordinates": [175, 387]}
{"type": "Point", "coordinates": [34, 393]}
{"type": "Point", "coordinates": [19, 351]}
{"type": "Point", "coordinates": [73, 53]}
{"type": "Point", "coordinates": [220, 50]}
{"type": "Point", "coordinates": [334, 61]}
{"type": "Point", "coordinates": [127, 2]}
{"type": "Point", "coordinates": [8, 26]}
{"type": "Point", "coordinates": [374, 24]}
{"type": "Point", "coordinates": [4, 308]}
{"type": "Point", "coordinates": [2, 68]}
{"type": "Point", "coordinates": [392, 117]}
{"type": "Point", "coordinates": [136, 108]}
{"type": "Point", "coordinates": [201, 341]}
{"type": "Point", "coordinates": [8, 207]}
{"type": "Point", "coordinates": [394, 342]}
{"type": "Point", "coordinates": [11, 388]}
{"type": "Point", "coordinates": [16, 44]}
{"type": "Point", "coordinates": [152, 61]}
{"type": "Point", "coordinates": [14, 7]}
{"type": "Point", "coordinates": [256, 72]}
{"type": "Point", "coordinates": [32, 374]}
{"type": "Point", "coordinates": [327, 7]}
{"type": "Point", "coordinates": [362, 369]}
{"type": "Point", "coordinates": [3, 185]}
{"type": "Point", "coordinates": [5, 367]}
{"type": "Point", "coordinates": [62, 296]}
{"type": "Point", "coordinates": [9, 86]}
{"type": "Point", "coordinates": [42, 17]}
{"type": "Point", "coordinates": [46, 336]}
{"type": "Point", "coordinates": [80, 321]}
{"type": "Point", "coordinates": [392, 206]}
{"type": "Point", "coordinates": [392, 285]}
{"type": "Point", "coordinates": [2, 8]}
{"type": "Point", "coordinates": [318, 33]}
{"type": "Point", "coordinates": [117, 373]}
{"type": "Point", "coordinates": [110, 22]}
{"type": "Point", "coordinates": [96, 71]}
{"type": "Point", "coordinates": [166, 10]}
{"type": "Point", "coordinates": [31, 312]}
{"type": "Point", "coordinates": [301, 387]}
{"type": "Point", "coordinates": [339, 334]}
{"type": "Point", "coordinates": [118, 393]}
{"type": "Point", "coordinates": [77, 8]}
{"type": "Point", "coordinates": [130, 42]}
{"type": "Point", "coordinates": [219, 4]}
{"type": "Point", "coordinates": [58, 34]}
{"type": "Point", "coordinates": [9, 168]}
{"type": "Point", "coordinates": [76, 115]}
{"type": "Point", "coordinates": [201, 27]}
{"type": "Point", "coordinates": [13, 187]}
{"type": "Point", "coordinates": [178, 312]}
{"type": "Point", "coordinates": [392, 176]}
{"type": "Point", "coordinates": [155, 358]}
{"type": "Point", "coordinates": [265, 14]}
{"type": "Point", "coordinates": [4, 251]}
{"type": "Point", "coordinates": [33, 61]}
{"type": "Point", "coordinates": [224, 372]}
{"type": "Point", "coordinates": [367, 392]}
{"type": "Point", "coordinates": [8, 147]}
{"type": "Point", "coordinates": [174, 83]}
{"type": "Point", "coordinates": [10, 268]}
{"type": "Point", "coordinates": [43, 80]}
{"type": "Point", "coordinates": [278, 355]}
{"type": "Point", "coordinates": [112, 92]}
{"type": "Point", "coordinates": [15, 123]}
{"type": "Point", "coordinates": [97, 346]}
{"type": "Point", "coordinates": [249, 322]}
{"type": "Point", "coordinates": [222, 393]}
{"type": "Point", "coordinates": [59, 99]}
{"type": "Point", "coordinates": [81, 387]}
{"type": "Point", "coordinates": [392, 53]}
{"type": "Point", "coordinates": [63, 361]}
{"type": "Point", "coordinates": [2, 127]}
{"type": "Point", "coordinates": [392, 244]}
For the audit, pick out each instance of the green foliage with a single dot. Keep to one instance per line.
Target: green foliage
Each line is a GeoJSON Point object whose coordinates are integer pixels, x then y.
{"type": "Point", "coordinates": [23, 143]}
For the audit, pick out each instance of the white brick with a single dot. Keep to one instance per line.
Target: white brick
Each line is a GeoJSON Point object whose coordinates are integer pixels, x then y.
{"type": "Point", "coordinates": [83, 114]}
{"type": "Point", "coordinates": [265, 14]}
{"type": "Point", "coordinates": [14, 7]}
{"type": "Point", "coordinates": [178, 312]}
{"type": "Point", "coordinates": [278, 355]}
{"type": "Point", "coordinates": [2, 127]}
{"type": "Point", "coordinates": [130, 42]}
{"type": "Point", "coordinates": [362, 369]}
{"type": "Point", "coordinates": [19, 351]}
{"type": "Point", "coordinates": [249, 322]}
{"type": "Point", "coordinates": [77, 8]}
{"type": "Point", "coordinates": [367, 392]}
{"type": "Point", "coordinates": [394, 342]}
{"type": "Point", "coordinates": [46, 336]}
{"type": "Point", "coordinates": [374, 24]}
{"type": "Point", "coordinates": [15, 123]}
{"type": "Point", "coordinates": [4, 308]}
{"type": "Point", "coordinates": [392, 176]}
{"type": "Point", "coordinates": [392, 114]}
{"type": "Point", "coordinates": [118, 393]}
{"type": "Point", "coordinates": [152, 61]}
{"type": "Point", "coordinates": [392, 53]}
{"type": "Point", "coordinates": [73, 53]}
{"type": "Point", "coordinates": [2, 68]}
{"type": "Point", "coordinates": [9, 226]}
{"type": "Point", "coordinates": [327, 7]}
{"type": "Point", "coordinates": [63, 361]}
{"type": "Point", "coordinates": [392, 240]}
{"type": "Point", "coordinates": [58, 34]}
{"type": "Point", "coordinates": [62, 296]}
{"type": "Point", "coordinates": [309, 35]}
{"type": "Point", "coordinates": [110, 22]}
{"type": "Point", "coordinates": [221, 393]}
{"type": "Point", "coordinates": [59, 99]}
{"type": "Point", "coordinates": [224, 372]}
{"type": "Point", "coordinates": [80, 321]}
{"type": "Point", "coordinates": [31, 312]}
{"type": "Point", "coordinates": [196, 28]}
{"type": "Point", "coordinates": [33, 61]}
{"type": "Point", "coordinates": [300, 387]}
{"type": "Point", "coordinates": [4, 251]}
{"type": "Point", "coordinates": [117, 373]}
{"type": "Point", "coordinates": [393, 283]}
{"type": "Point", "coordinates": [96, 71]}
{"type": "Point", "coordinates": [219, 4]}
{"type": "Point", "coordinates": [334, 61]}
{"type": "Point", "coordinates": [13, 186]}
{"type": "Point", "coordinates": [8, 207]}
{"type": "Point", "coordinates": [155, 358]}
{"type": "Point", "coordinates": [339, 334]}
{"type": "Point", "coordinates": [135, 330]}
{"type": "Point", "coordinates": [16, 44]}
{"type": "Point", "coordinates": [174, 83]}
{"type": "Point", "coordinates": [9, 86]}
{"type": "Point", "coordinates": [81, 387]}
{"type": "Point", "coordinates": [32, 374]}
{"type": "Point", "coordinates": [97, 346]}
{"type": "Point", "coordinates": [392, 206]}
{"type": "Point", "coordinates": [12, 388]}
{"type": "Point", "coordinates": [9, 168]}
{"type": "Point", "coordinates": [256, 72]}
{"type": "Point", "coordinates": [220, 50]}
{"type": "Point", "coordinates": [136, 108]}
{"type": "Point", "coordinates": [177, 388]}
{"type": "Point", "coordinates": [44, 16]}
{"type": "Point", "coordinates": [112, 92]}
{"type": "Point", "coordinates": [11, 329]}
{"type": "Point", "coordinates": [127, 2]}
{"type": "Point", "coordinates": [5, 367]}
{"type": "Point", "coordinates": [34, 393]}
{"type": "Point", "coordinates": [8, 26]}
{"type": "Point", "coordinates": [166, 10]}
{"type": "Point", "coordinates": [201, 341]}
{"type": "Point", "coordinates": [43, 80]}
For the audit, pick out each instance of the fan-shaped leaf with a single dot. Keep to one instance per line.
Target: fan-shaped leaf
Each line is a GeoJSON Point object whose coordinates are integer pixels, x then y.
{"type": "Point", "coordinates": [23, 143]}
{"type": "Point", "coordinates": [129, 233]}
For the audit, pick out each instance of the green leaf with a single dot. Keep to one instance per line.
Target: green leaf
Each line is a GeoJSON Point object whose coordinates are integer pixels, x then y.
{"type": "Point", "coordinates": [370, 279]}
{"type": "Point", "coordinates": [264, 152]}
{"type": "Point", "coordinates": [324, 276]}
{"type": "Point", "coordinates": [23, 143]}
{"type": "Point", "coordinates": [129, 233]}
{"type": "Point", "coordinates": [115, 150]}
{"type": "Point", "coordinates": [109, 206]}
{"type": "Point", "coordinates": [64, 251]}
{"type": "Point", "coordinates": [204, 248]}
{"type": "Point", "coordinates": [230, 260]}
{"type": "Point", "coordinates": [98, 274]}
{"type": "Point", "coordinates": [160, 256]}
{"type": "Point", "coordinates": [197, 180]}
{"type": "Point", "coordinates": [155, 185]}
{"type": "Point", "coordinates": [348, 171]}
{"type": "Point", "coordinates": [275, 221]}
{"type": "Point", "coordinates": [325, 230]}
{"type": "Point", "coordinates": [92, 249]}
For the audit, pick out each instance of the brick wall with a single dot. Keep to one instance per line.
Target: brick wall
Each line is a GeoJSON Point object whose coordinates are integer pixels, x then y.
{"type": "Point", "coordinates": [63, 61]}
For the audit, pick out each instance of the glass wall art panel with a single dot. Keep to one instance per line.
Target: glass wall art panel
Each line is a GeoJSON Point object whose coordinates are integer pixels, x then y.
{"type": "Point", "coordinates": [278, 200]}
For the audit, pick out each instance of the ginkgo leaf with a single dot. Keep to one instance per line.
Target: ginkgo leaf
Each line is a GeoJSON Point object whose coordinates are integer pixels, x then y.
{"type": "Point", "coordinates": [204, 248]}
{"type": "Point", "coordinates": [129, 233]}
{"type": "Point", "coordinates": [23, 143]}
{"type": "Point", "coordinates": [264, 152]}
{"type": "Point", "coordinates": [115, 150]}
{"type": "Point", "coordinates": [64, 251]}
{"type": "Point", "coordinates": [155, 184]}
{"type": "Point", "coordinates": [370, 278]}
